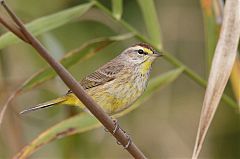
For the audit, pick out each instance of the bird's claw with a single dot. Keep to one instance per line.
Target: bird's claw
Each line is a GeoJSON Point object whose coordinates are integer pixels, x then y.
{"type": "Point", "coordinates": [115, 128]}
{"type": "Point", "coordinates": [129, 141]}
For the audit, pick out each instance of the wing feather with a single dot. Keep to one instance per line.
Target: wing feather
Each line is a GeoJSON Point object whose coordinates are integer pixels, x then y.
{"type": "Point", "coordinates": [104, 74]}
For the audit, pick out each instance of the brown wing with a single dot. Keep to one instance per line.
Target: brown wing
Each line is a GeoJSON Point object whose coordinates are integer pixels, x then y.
{"type": "Point", "coordinates": [104, 74]}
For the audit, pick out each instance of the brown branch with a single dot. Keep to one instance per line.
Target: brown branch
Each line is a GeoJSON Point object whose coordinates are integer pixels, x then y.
{"type": "Point", "coordinates": [77, 89]}
{"type": "Point", "coordinates": [14, 30]}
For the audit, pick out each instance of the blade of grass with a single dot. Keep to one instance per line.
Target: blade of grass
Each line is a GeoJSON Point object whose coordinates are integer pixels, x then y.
{"type": "Point", "coordinates": [47, 23]}
{"type": "Point", "coordinates": [235, 75]}
{"type": "Point", "coordinates": [117, 8]}
{"type": "Point", "coordinates": [85, 122]}
{"type": "Point", "coordinates": [82, 53]}
{"type": "Point", "coordinates": [222, 64]}
{"type": "Point", "coordinates": [151, 21]}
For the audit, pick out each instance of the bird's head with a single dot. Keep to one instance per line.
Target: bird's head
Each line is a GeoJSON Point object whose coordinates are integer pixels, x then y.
{"type": "Point", "coordinates": [140, 53]}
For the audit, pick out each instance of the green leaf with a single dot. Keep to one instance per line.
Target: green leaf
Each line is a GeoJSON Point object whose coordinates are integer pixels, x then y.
{"type": "Point", "coordinates": [47, 23]}
{"type": "Point", "coordinates": [85, 122]}
{"type": "Point", "coordinates": [151, 21]}
{"type": "Point", "coordinates": [117, 8]}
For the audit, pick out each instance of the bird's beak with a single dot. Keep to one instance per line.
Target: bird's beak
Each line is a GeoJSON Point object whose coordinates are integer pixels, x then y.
{"type": "Point", "coordinates": [156, 54]}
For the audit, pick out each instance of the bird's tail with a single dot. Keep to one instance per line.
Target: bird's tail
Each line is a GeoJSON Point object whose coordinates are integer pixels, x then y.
{"type": "Point", "coordinates": [47, 104]}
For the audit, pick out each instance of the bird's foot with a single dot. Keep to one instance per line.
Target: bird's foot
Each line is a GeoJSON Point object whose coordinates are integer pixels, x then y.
{"type": "Point", "coordinates": [115, 128]}
{"type": "Point", "coordinates": [128, 143]}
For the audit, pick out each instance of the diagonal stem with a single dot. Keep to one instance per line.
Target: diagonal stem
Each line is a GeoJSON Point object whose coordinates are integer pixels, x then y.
{"type": "Point", "coordinates": [77, 89]}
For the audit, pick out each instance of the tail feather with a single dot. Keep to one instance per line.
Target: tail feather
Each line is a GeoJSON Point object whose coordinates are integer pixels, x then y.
{"type": "Point", "coordinates": [44, 105]}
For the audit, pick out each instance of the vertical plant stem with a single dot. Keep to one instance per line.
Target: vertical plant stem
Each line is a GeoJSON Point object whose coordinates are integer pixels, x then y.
{"type": "Point", "coordinates": [117, 8]}
{"type": "Point", "coordinates": [151, 21]}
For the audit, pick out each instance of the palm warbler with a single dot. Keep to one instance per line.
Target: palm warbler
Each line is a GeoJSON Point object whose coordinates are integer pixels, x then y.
{"type": "Point", "coordinates": [115, 85]}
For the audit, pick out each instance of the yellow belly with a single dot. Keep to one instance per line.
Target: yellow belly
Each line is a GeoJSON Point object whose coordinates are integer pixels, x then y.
{"type": "Point", "coordinates": [115, 95]}
{"type": "Point", "coordinates": [111, 99]}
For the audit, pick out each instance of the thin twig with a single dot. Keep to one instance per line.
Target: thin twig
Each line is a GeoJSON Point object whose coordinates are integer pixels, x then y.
{"type": "Point", "coordinates": [13, 29]}
{"type": "Point", "coordinates": [77, 89]}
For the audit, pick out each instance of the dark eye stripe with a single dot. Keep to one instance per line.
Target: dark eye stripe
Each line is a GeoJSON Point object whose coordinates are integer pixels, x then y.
{"type": "Point", "coordinates": [140, 51]}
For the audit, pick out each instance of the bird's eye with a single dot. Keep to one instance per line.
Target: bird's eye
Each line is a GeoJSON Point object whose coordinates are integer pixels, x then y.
{"type": "Point", "coordinates": [140, 51]}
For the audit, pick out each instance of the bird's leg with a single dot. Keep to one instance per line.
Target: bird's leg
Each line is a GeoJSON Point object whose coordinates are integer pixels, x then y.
{"type": "Point", "coordinates": [116, 126]}
{"type": "Point", "coordinates": [129, 140]}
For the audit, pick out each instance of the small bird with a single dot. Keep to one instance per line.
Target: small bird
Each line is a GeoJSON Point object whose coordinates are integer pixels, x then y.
{"type": "Point", "coordinates": [116, 85]}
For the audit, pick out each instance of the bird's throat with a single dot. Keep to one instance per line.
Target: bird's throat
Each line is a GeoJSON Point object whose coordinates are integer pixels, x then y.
{"type": "Point", "coordinates": [145, 67]}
